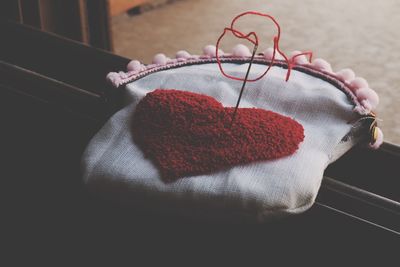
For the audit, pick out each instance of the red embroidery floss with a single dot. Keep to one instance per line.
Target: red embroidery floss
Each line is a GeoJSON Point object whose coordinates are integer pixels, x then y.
{"type": "Point", "coordinates": [253, 38]}
{"type": "Point", "coordinates": [186, 133]}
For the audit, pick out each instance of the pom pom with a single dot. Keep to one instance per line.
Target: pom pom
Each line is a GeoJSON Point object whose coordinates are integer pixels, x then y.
{"type": "Point", "coordinates": [345, 75]}
{"type": "Point", "coordinates": [113, 78]}
{"type": "Point", "coordinates": [368, 98]}
{"type": "Point", "coordinates": [360, 109]}
{"type": "Point", "coordinates": [379, 139]}
{"type": "Point", "coordinates": [300, 59]}
{"type": "Point", "coordinates": [322, 64]}
{"type": "Point", "coordinates": [268, 53]}
{"type": "Point", "coordinates": [241, 50]}
{"type": "Point", "coordinates": [367, 105]}
{"type": "Point", "coordinates": [160, 59]}
{"type": "Point", "coordinates": [134, 65]}
{"type": "Point", "coordinates": [123, 75]}
{"type": "Point", "coordinates": [209, 50]}
{"type": "Point", "coordinates": [182, 54]}
{"type": "Point", "coordinates": [358, 83]}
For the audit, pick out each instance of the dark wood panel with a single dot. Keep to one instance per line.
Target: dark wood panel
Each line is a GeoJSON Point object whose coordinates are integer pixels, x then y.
{"type": "Point", "coordinates": [86, 21]}
{"type": "Point", "coordinates": [11, 9]}
{"type": "Point", "coordinates": [98, 14]}
{"type": "Point", "coordinates": [31, 12]}
{"type": "Point", "coordinates": [48, 16]}
{"type": "Point", "coordinates": [67, 18]}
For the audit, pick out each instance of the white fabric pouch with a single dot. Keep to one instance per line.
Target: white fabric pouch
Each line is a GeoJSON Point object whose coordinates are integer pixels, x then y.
{"type": "Point", "coordinates": [115, 166]}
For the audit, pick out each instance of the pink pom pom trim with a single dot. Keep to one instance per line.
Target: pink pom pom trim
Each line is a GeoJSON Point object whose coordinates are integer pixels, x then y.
{"type": "Point", "coordinates": [322, 64]}
{"type": "Point", "coordinates": [114, 78]}
{"type": "Point", "coordinates": [367, 105]}
{"type": "Point", "coordinates": [123, 75]}
{"type": "Point", "coordinates": [368, 98]}
{"type": "Point", "coordinates": [209, 50]}
{"type": "Point", "coordinates": [300, 59]}
{"type": "Point", "coordinates": [268, 53]}
{"type": "Point", "coordinates": [182, 54]}
{"type": "Point", "coordinates": [134, 65]}
{"type": "Point", "coordinates": [357, 83]}
{"type": "Point", "coordinates": [160, 59]}
{"type": "Point", "coordinates": [241, 50]}
{"type": "Point", "coordinates": [345, 75]}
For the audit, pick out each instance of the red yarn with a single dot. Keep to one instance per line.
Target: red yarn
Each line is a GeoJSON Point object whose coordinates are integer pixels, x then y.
{"type": "Point", "coordinates": [187, 134]}
{"type": "Point", "coordinates": [276, 39]}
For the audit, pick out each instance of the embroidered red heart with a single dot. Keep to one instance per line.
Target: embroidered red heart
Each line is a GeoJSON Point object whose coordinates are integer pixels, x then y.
{"type": "Point", "coordinates": [187, 134]}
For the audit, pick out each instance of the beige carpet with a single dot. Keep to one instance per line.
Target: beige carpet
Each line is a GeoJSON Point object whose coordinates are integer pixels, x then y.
{"type": "Point", "coordinates": [361, 34]}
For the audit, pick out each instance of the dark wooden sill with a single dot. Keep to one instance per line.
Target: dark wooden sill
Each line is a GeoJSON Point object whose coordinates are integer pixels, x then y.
{"type": "Point", "coordinates": [57, 57]}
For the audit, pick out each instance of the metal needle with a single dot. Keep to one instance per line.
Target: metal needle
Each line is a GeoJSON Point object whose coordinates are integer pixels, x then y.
{"type": "Point", "coordinates": [244, 84]}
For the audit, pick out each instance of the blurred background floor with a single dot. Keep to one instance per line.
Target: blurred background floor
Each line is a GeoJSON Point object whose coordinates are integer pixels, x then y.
{"type": "Point", "coordinates": [358, 34]}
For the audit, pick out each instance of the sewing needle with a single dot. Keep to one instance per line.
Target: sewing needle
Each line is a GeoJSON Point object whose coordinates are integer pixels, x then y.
{"type": "Point", "coordinates": [244, 84]}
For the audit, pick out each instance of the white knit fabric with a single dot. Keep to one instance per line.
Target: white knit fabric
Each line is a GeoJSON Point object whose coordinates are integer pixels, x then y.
{"type": "Point", "coordinates": [115, 167]}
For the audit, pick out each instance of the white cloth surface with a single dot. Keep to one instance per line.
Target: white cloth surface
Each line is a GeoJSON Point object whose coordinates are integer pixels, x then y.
{"type": "Point", "coordinates": [114, 166]}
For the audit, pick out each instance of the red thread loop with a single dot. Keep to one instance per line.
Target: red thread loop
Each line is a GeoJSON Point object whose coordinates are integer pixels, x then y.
{"type": "Point", "coordinates": [239, 34]}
